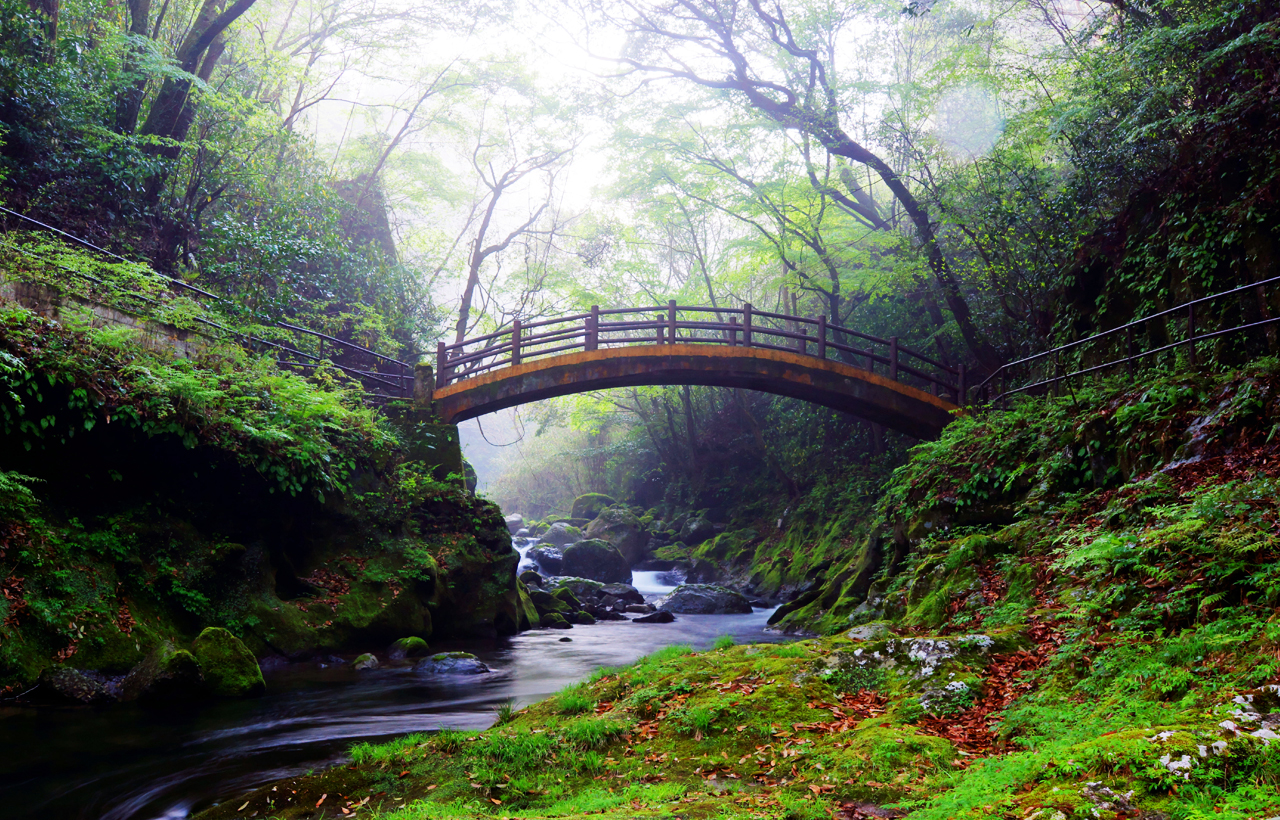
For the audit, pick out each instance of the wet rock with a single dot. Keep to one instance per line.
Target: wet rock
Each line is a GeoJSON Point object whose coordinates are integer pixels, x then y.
{"type": "Point", "coordinates": [554, 620]}
{"type": "Point", "coordinates": [696, 530]}
{"type": "Point", "coordinates": [609, 615]}
{"type": "Point", "coordinates": [66, 683]}
{"type": "Point", "coordinates": [549, 559]}
{"type": "Point", "coordinates": [589, 506]}
{"type": "Point", "coordinates": [273, 663]}
{"type": "Point", "coordinates": [523, 532]}
{"type": "Point", "coordinates": [659, 617]}
{"type": "Point", "coordinates": [868, 632]}
{"type": "Point", "coordinates": [641, 608]}
{"type": "Point", "coordinates": [531, 579]}
{"type": "Point", "coordinates": [581, 617]}
{"type": "Point", "coordinates": [566, 639]}
{"type": "Point", "coordinates": [544, 602]}
{"type": "Point", "coordinates": [229, 669]}
{"type": "Point", "coordinates": [583, 589]}
{"type": "Point", "coordinates": [365, 661]}
{"type": "Point", "coordinates": [704, 599]}
{"type": "Point", "coordinates": [411, 647]}
{"type": "Point", "coordinates": [514, 523]}
{"type": "Point", "coordinates": [560, 535]}
{"type": "Point", "coordinates": [166, 674]}
{"type": "Point", "coordinates": [620, 527]}
{"type": "Point", "coordinates": [596, 561]}
{"type": "Point", "coordinates": [452, 663]}
{"type": "Point", "coordinates": [623, 592]}
{"type": "Point", "coordinates": [703, 572]}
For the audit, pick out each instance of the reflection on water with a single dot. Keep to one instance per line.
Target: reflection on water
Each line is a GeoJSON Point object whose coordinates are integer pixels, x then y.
{"type": "Point", "coordinates": [128, 762]}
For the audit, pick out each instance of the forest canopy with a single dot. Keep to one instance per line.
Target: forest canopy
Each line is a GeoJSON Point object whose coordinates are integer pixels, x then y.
{"type": "Point", "coordinates": [981, 178]}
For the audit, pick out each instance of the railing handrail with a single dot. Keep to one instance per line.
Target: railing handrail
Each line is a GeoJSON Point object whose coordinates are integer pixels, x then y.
{"type": "Point", "coordinates": [664, 325]}
{"type": "Point", "coordinates": [1191, 338]}
{"type": "Point", "coordinates": [403, 381]}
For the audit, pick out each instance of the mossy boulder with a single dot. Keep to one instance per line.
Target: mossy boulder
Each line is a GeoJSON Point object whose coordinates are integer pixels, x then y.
{"type": "Point", "coordinates": [410, 647]}
{"type": "Point", "coordinates": [620, 527]}
{"type": "Point", "coordinates": [598, 561]}
{"type": "Point", "coordinates": [365, 661]}
{"type": "Point", "coordinates": [582, 617]}
{"type": "Point", "coordinates": [453, 663]}
{"type": "Point", "coordinates": [561, 534]}
{"type": "Point", "coordinates": [75, 685]}
{"type": "Point", "coordinates": [548, 558]}
{"type": "Point", "coordinates": [704, 599]}
{"type": "Point", "coordinates": [554, 620]}
{"type": "Point", "coordinates": [167, 674]}
{"type": "Point", "coordinates": [545, 602]}
{"type": "Point", "coordinates": [531, 579]}
{"type": "Point", "coordinates": [696, 530]}
{"type": "Point", "coordinates": [230, 670]}
{"type": "Point", "coordinates": [588, 506]}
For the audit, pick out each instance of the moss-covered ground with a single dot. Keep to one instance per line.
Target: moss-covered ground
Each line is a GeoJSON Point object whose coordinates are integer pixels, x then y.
{"type": "Point", "coordinates": [1067, 610]}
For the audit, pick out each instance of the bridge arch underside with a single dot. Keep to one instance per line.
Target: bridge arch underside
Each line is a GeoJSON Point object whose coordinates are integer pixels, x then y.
{"type": "Point", "coordinates": [828, 383]}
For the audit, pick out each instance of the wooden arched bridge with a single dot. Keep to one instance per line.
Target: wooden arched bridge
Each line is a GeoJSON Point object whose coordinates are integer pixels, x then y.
{"type": "Point", "coordinates": [806, 358]}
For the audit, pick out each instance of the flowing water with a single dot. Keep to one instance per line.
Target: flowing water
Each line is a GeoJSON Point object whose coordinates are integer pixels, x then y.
{"type": "Point", "coordinates": [125, 762]}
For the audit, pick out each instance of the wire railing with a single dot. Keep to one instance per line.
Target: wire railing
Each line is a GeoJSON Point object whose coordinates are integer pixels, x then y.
{"type": "Point", "coordinates": [382, 377]}
{"type": "Point", "coordinates": [685, 324]}
{"type": "Point", "coordinates": [1198, 329]}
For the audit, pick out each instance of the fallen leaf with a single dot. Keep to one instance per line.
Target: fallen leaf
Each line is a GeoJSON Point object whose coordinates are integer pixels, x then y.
{"type": "Point", "coordinates": [321, 800]}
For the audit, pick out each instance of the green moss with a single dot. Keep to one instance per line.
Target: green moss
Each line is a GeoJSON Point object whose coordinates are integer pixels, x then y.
{"type": "Point", "coordinates": [229, 668]}
{"type": "Point", "coordinates": [588, 506]}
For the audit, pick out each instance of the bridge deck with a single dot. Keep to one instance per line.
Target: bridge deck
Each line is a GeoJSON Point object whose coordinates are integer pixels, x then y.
{"type": "Point", "coordinates": [830, 383]}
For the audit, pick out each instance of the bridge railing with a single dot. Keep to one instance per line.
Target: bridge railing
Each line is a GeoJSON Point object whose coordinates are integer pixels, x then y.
{"type": "Point", "coordinates": [1201, 328]}
{"type": "Point", "coordinates": [602, 328]}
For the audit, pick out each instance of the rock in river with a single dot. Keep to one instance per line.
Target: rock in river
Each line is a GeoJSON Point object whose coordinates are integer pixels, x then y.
{"type": "Point", "coordinates": [230, 670]}
{"type": "Point", "coordinates": [549, 559]}
{"type": "Point", "coordinates": [659, 617]}
{"type": "Point", "coordinates": [597, 561]}
{"type": "Point", "coordinates": [453, 663]}
{"type": "Point", "coordinates": [411, 647]}
{"type": "Point", "coordinates": [561, 534]}
{"type": "Point", "coordinates": [704, 599]}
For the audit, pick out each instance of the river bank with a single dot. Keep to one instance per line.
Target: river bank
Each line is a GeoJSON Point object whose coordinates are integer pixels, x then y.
{"type": "Point", "coordinates": [148, 763]}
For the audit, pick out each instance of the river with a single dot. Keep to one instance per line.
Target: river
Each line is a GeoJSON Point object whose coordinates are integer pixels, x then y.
{"type": "Point", "coordinates": [126, 762]}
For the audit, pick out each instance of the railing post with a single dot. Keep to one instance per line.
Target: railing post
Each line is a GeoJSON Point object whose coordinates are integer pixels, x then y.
{"type": "Point", "coordinates": [733, 331]}
{"type": "Point", "coordinates": [893, 358]}
{"type": "Point", "coordinates": [822, 337]}
{"type": "Point", "coordinates": [1128, 349]}
{"type": "Point", "coordinates": [515, 341]}
{"type": "Point", "coordinates": [962, 387]}
{"type": "Point", "coordinates": [1191, 334]}
{"type": "Point", "coordinates": [746, 324]}
{"type": "Point", "coordinates": [442, 373]}
{"type": "Point", "coordinates": [671, 322]}
{"type": "Point", "coordinates": [660, 339]}
{"type": "Point", "coordinates": [593, 329]}
{"type": "Point", "coordinates": [802, 344]}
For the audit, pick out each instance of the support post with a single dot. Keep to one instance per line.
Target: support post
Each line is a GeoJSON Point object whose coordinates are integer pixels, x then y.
{"type": "Point", "coordinates": [515, 341]}
{"type": "Point", "coordinates": [822, 337]}
{"type": "Point", "coordinates": [746, 324]}
{"type": "Point", "coordinates": [1128, 349]}
{"type": "Point", "coordinates": [424, 378]}
{"type": "Point", "coordinates": [1191, 334]}
{"type": "Point", "coordinates": [733, 331]}
{"type": "Point", "coordinates": [671, 322]}
{"type": "Point", "coordinates": [893, 358]}
{"type": "Point", "coordinates": [442, 374]}
{"type": "Point", "coordinates": [593, 329]}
